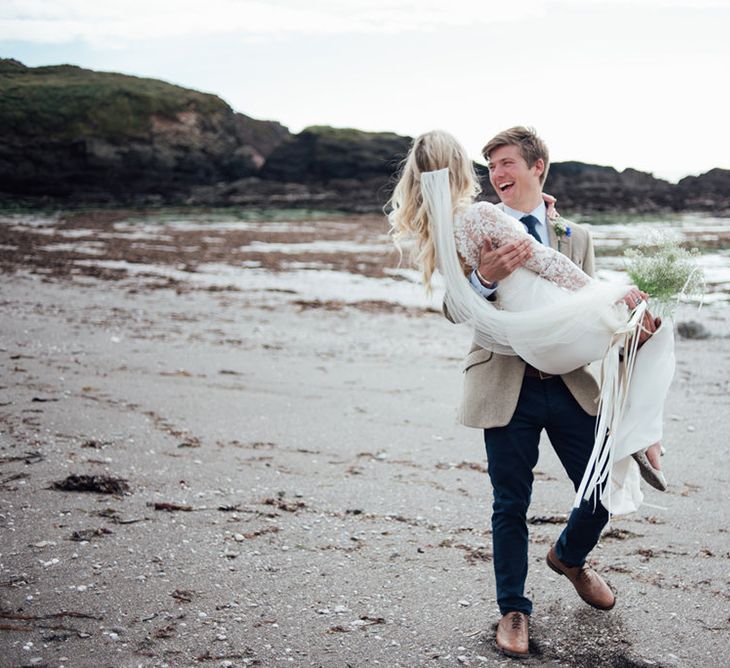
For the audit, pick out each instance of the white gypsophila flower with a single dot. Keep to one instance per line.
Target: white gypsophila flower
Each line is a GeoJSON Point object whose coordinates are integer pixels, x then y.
{"type": "Point", "coordinates": [665, 270]}
{"type": "Point", "coordinates": [655, 237]}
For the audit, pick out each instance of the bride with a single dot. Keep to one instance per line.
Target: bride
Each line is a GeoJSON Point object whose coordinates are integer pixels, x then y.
{"type": "Point", "coordinates": [550, 313]}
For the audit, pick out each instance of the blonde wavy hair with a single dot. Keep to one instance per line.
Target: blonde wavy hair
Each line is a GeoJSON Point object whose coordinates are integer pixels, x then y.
{"type": "Point", "coordinates": [408, 217]}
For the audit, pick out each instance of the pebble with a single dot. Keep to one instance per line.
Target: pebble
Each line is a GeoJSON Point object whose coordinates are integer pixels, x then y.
{"type": "Point", "coordinates": [464, 602]}
{"type": "Point", "coordinates": [239, 537]}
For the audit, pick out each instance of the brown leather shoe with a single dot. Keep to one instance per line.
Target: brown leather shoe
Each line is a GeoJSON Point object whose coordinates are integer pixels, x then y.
{"type": "Point", "coordinates": [512, 635]}
{"type": "Point", "coordinates": [590, 586]}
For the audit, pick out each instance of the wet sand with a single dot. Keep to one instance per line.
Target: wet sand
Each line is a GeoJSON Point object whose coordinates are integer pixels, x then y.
{"type": "Point", "coordinates": [298, 490]}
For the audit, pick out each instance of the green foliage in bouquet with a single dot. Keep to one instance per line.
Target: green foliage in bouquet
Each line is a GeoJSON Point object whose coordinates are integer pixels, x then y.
{"type": "Point", "coordinates": [666, 271]}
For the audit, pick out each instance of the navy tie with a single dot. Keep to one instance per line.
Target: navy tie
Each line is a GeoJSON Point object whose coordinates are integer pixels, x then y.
{"type": "Point", "coordinates": [530, 223]}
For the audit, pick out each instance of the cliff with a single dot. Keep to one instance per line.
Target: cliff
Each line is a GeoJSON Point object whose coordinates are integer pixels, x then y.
{"type": "Point", "coordinates": [70, 135]}
{"type": "Point", "coordinates": [707, 192]}
{"type": "Point", "coordinates": [70, 132]}
{"type": "Point", "coordinates": [587, 187]}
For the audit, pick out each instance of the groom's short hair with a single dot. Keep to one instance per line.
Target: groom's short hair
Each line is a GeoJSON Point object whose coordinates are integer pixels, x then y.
{"type": "Point", "coordinates": [531, 146]}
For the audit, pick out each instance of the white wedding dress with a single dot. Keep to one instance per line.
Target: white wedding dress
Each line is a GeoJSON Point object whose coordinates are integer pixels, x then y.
{"type": "Point", "coordinates": [557, 318]}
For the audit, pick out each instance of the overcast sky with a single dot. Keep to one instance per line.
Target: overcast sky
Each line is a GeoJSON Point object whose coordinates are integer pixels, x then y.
{"type": "Point", "coordinates": [640, 83]}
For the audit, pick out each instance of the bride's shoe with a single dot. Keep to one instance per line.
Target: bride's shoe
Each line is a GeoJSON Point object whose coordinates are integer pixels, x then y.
{"type": "Point", "coordinates": [651, 475]}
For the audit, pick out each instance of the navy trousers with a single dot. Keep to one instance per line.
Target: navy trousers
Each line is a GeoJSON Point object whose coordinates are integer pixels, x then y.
{"type": "Point", "coordinates": [512, 453]}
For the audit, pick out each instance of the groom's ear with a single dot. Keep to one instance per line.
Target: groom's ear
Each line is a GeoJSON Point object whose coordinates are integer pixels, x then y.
{"type": "Point", "coordinates": [540, 167]}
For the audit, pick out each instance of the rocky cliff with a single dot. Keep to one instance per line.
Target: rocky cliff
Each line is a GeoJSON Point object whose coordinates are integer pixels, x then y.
{"type": "Point", "coordinates": [323, 154]}
{"type": "Point", "coordinates": [595, 188]}
{"type": "Point", "coordinates": [70, 132]}
{"type": "Point", "coordinates": [73, 135]}
{"type": "Point", "coordinates": [707, 192]}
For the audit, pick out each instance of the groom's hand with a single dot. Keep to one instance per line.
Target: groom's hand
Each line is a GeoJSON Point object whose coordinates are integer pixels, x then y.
{"type": "Point", "coordinates": [496, 264]}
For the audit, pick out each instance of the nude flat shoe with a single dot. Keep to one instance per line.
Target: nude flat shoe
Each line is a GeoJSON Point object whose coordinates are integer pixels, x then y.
{"type": "Point", "coordinates": [652, 476]}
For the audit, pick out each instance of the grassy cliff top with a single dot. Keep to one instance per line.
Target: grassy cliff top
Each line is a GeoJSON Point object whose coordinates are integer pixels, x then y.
{"type": "Point", "coordinates": [348, 134]}
{"type": "Point", "coordinates": [63, 102]}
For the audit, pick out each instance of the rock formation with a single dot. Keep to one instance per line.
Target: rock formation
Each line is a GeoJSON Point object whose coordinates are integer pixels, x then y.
{"type": "Point", "coordinates": [70, 132]}
{"type": "Point", "coordinates": [595, 188]}
{"type": "Point", "coordinates": [71, 135]}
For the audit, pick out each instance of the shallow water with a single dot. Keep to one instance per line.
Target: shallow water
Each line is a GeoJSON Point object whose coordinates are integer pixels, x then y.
{"type": "Point", "coordinates": [284, 255]}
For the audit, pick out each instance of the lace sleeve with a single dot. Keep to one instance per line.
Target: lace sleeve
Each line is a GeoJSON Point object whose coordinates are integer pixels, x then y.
{"type": "Point", "coordinates": [483, 219]}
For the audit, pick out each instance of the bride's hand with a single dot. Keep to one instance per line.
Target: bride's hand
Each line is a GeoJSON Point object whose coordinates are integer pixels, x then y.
{"type": "Point", "coordinates": [550, 201]}
{"type": "Point", "coordinates": [649, 324]}
{"type": "Point", "coordinates": [634, 297]}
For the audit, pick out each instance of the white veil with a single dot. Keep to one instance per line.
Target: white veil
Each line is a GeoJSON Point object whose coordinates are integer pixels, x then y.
{"type": "Point", "coordinates": [464, 304]}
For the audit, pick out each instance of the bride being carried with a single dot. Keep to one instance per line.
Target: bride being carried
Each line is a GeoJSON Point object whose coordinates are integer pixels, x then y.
{"type": "Point", "coordinates": [548, 312]}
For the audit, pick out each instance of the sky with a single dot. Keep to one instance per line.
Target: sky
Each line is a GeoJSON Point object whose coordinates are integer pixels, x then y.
{"type": "Point", "coordinates": [636, 83]}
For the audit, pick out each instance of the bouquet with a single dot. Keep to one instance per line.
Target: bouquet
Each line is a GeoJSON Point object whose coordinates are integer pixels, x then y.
{"type": "Point", "coordinates": [665, 271]}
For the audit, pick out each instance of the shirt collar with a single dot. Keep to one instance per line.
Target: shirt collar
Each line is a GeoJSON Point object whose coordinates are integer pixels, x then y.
{"type": "Point", "coordinates": [540, 212]}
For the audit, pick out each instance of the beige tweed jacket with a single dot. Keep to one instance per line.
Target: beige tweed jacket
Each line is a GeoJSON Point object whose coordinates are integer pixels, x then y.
{"type": "Point", "coordinates": [492, 382]}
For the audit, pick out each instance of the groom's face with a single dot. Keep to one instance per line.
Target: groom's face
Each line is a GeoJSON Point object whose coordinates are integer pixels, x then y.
{"type": "Point", "coordinates": [517, 184]}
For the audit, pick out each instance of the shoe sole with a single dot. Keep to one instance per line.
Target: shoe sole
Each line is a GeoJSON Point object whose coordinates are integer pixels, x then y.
{"type": "Point", "coordinates": [510, 653]}
{"type": "Point", "coordinates": [585, 600]}
{"type": "Point", "coordinates": [653, 477]}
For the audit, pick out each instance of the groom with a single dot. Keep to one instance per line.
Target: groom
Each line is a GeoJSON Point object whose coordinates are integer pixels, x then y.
{"type": "Point", "coordinates": [513, 402]}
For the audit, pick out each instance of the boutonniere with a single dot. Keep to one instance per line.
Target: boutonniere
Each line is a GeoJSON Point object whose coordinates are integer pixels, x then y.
{"type": "Point", "coordinates": [561, 231]}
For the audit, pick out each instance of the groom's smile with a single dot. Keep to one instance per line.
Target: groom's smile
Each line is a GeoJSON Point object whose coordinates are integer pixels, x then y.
{"type": "Point", "coordinates": [517, 184]}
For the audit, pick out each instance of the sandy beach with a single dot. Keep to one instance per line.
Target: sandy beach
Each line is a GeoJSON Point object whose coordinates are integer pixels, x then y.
{"type": "Point", "coordinates": [200, 467]}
